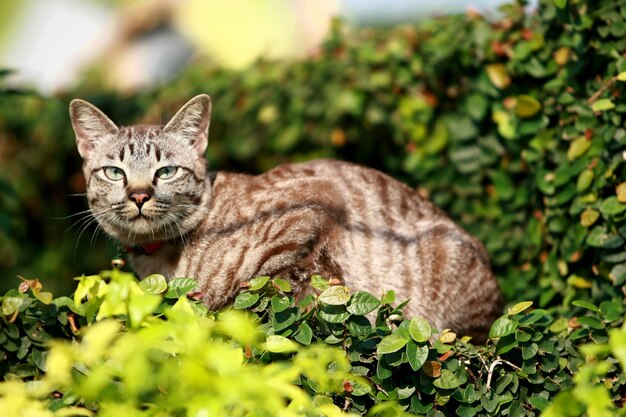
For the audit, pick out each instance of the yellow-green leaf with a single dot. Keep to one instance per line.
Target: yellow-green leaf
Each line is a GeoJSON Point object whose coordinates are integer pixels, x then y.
{"type": "Point", "coordinates": [506, 125]}
{"type": "Point", "coordinates": [419, 329]}
{"type": "Point", "coordinates": [527, 106]}
{"type": "Point", "coordinates": [588, 217]}
{"type": "Point", "coordinates": [153, 284]}
{"type": "Point", "coordinates": [498, 76]}
{"type": "Point", "coordinates": [620, 191]}
{"type": "Point", "coordinates": [390, 344]}
{"type": "Point", "coordinates": [584, 180]}
{"type": "Point", "coordinates": [336, 296]}
{"type": "Point", "coordinates": [280, 344]}
{"type": "Point", "coordinates": [602, 105]}
{"type": "Point", "coordinates": [578, 147]}
{"type": "Point", "coordinates": [578, 282]}
{"type": "Point", "coordinates": [561, 55]}
{"type": "Point", "coordinates": [519, 307]}
{"type": "Point", "coordinates": [43, 296]}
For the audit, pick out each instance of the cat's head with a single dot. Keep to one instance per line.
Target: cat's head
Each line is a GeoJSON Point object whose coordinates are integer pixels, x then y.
{"type": "Point", "coordinates": [145, 183]}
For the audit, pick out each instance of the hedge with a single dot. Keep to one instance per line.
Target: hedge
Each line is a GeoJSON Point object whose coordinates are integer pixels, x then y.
{"type": "Point", "coordinates": [149, 349]}
{"type": "Point", "coordinates": [513, 126]}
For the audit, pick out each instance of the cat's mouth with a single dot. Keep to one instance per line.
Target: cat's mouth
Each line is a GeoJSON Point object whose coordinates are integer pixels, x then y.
{"type": "Point", "coordinates": [139, 217]}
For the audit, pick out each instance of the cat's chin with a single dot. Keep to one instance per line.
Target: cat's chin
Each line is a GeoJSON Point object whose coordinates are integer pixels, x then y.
{"type": "Point", "coordinates": [142, 231]}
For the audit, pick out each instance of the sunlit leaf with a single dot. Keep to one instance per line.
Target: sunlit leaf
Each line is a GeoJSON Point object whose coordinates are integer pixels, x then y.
{"type": "Point", "coordinates": [362, 303]}
{"type": "Point", "coordinates": [390, 344]}
{"type": "Point", "coordinates": [154, 284]}
{"type": "Point", "coordinates": [336, 295]}
{"type": "Point", "coordinates": [280, 344]}
{"type": "Point", "coordinates": [498, 75]}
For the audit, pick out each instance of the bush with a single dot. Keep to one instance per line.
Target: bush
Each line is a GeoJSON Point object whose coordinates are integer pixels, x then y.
{"type": "Point", "coordinates": [145, 349]}
{"type": "Point", "coordinates": [513, 126]}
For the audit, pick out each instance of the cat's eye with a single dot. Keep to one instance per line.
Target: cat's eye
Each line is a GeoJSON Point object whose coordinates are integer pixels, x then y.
{"type": "Point", "coordinates": [166, 173]}
{"type": "Point", "coordinates": [114, 173]}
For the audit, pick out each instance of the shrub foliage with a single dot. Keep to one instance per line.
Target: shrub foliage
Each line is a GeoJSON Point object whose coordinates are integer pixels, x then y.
{"type": "Point", "coordinates": [513, 126]}
{"type": "Point", "coordinates": [149, 349]}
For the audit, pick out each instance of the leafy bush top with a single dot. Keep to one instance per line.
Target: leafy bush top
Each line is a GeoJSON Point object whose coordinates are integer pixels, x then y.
{"type": "Point", "coordinates": [149, 349]}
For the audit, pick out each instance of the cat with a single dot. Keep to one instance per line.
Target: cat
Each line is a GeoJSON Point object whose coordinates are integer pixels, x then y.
{"type": "Point", "coordinates": [149, 188]}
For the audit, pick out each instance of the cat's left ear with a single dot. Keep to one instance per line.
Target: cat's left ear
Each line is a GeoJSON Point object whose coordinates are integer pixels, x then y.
{"type": "Point", "coordinates": [191, 123]}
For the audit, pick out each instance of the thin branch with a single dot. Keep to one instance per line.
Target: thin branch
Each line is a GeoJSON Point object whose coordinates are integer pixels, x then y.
{"type": "Point", "coordinates": [601, 90]}
{"type": "Point", "coordinates": [495, 363]}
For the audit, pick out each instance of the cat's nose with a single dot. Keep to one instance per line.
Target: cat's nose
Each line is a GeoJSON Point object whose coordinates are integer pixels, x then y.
{"type": "Point", "coordinates": [139, 197]}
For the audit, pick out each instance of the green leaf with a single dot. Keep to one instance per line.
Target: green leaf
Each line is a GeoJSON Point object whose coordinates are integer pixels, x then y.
{"type": "Point", "coordinates": [560, 3]}
{"type": "Point", "coordinates": [503, 326]}
{"type": "Point", "coordinates": [179, 287]}
{"type": "Point", "coordinates": [419, 329]}
{"type": "Point", "coordinates": [245, 300]}
{"type": "Point", "coordinates": [153, 284]}
{"type": "Point", "coordinates": [282, 285]}
{"type": "Point", "coordinates": [10, 305]}
{"type": "Point", "coordinates": [280, 303]}
{"type": "Point", "coordinates": [319, 283]}
{"type": "Point", "coordinates": [621, 76]}
{"type": "Point", "coordinates": [600, 237]}
{"type": "Point", "coordinates": [333, 314]}
{"type": "Point", "coordinates": [466, 411]}
{"type": "Point", "coordinates": [304, 334]}
{"type": "Point", "coordinates": [417, 355]}
{"type": "Point", "coordinates": [539, 402]}
{"type": "Point", "coordinates": [603, 104]}
{"type": "Point", "coordinates": [519, 307]}
{"type": "Point", "coordinates": [529, 351]}
{"type": "Point", "coordinates": [389, 344]}
{"type": "Point", "coordinates": [280, 344]}
{"type": "Point", "coordinates": [257, 283]}
{"type": "Point", "coordinates": [389, 297]}
{"type": "Point", "coordinates": [362, 303]}
{"type": "Point", "coordinates": [284, 319]}
{"type": "Point", "coordinates": [447, 380]}
{"type": "Point", "coordinates": [611, 206]}
{"type": "Point", "coordinates": [337, 295]}
{"type": "Point", "coordinates": [585, 304]}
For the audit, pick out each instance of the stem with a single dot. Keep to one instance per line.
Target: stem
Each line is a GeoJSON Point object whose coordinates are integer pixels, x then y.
{"type": "Point", "coordinates": [601, 90]}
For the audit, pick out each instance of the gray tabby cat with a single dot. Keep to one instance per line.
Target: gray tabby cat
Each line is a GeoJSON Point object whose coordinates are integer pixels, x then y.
{"type": "Point", "coordinates": [149, 188]}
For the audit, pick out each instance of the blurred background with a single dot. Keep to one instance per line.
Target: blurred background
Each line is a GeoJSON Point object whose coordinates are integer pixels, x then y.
{"type": "Point", "coordinates": [360, 80]}
{"type": "Point", "coordinates": [141, 43]}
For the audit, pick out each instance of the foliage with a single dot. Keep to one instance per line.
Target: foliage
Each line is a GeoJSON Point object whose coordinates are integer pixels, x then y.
{"type": "Point", "coordinates": [493, 119]}
{"type": "Point", "coordinates": [139, 355]}
{"type": "Point", "coordinates": [270, 356]}
{"type": "Point", "coordinates": [513, 126]}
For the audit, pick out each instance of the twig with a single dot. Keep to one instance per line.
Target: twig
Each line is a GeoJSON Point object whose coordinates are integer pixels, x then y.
{"type": "Point", "coordinates": [601, 90]}
{"type": "Point", "coordinates": [495, 363]}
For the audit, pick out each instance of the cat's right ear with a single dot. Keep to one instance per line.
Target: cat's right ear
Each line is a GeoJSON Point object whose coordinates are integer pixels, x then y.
{"type": "Point", "coordinates": [90, 125]}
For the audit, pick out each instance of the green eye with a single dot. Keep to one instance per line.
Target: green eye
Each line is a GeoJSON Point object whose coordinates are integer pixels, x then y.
{"type": "Point", "coordinates": [166, 173]}
{"type": "Point", "coordinates": [114, 173]}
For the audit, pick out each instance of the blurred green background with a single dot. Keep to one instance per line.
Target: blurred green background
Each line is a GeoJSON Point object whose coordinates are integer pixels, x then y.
{"type": "Point", "coordinates": [511, 121]}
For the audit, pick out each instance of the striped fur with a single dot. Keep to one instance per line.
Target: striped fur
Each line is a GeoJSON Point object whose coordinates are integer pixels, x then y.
{"type": "Point", "coordinates": [321, 217]}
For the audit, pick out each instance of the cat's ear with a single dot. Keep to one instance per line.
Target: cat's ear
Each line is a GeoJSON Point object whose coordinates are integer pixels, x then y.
{"type": "Point", "coordinates": [191, 123]}
{"type": "Point", "coordinates": [90, 125]}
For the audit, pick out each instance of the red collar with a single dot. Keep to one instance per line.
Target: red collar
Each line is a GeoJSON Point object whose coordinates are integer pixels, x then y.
{"type": "Point", "coordinates": [147, 249]}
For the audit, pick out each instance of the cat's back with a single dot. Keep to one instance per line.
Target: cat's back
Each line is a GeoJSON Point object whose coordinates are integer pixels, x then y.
{"type": "Point", "coordinates": [390, 238]}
